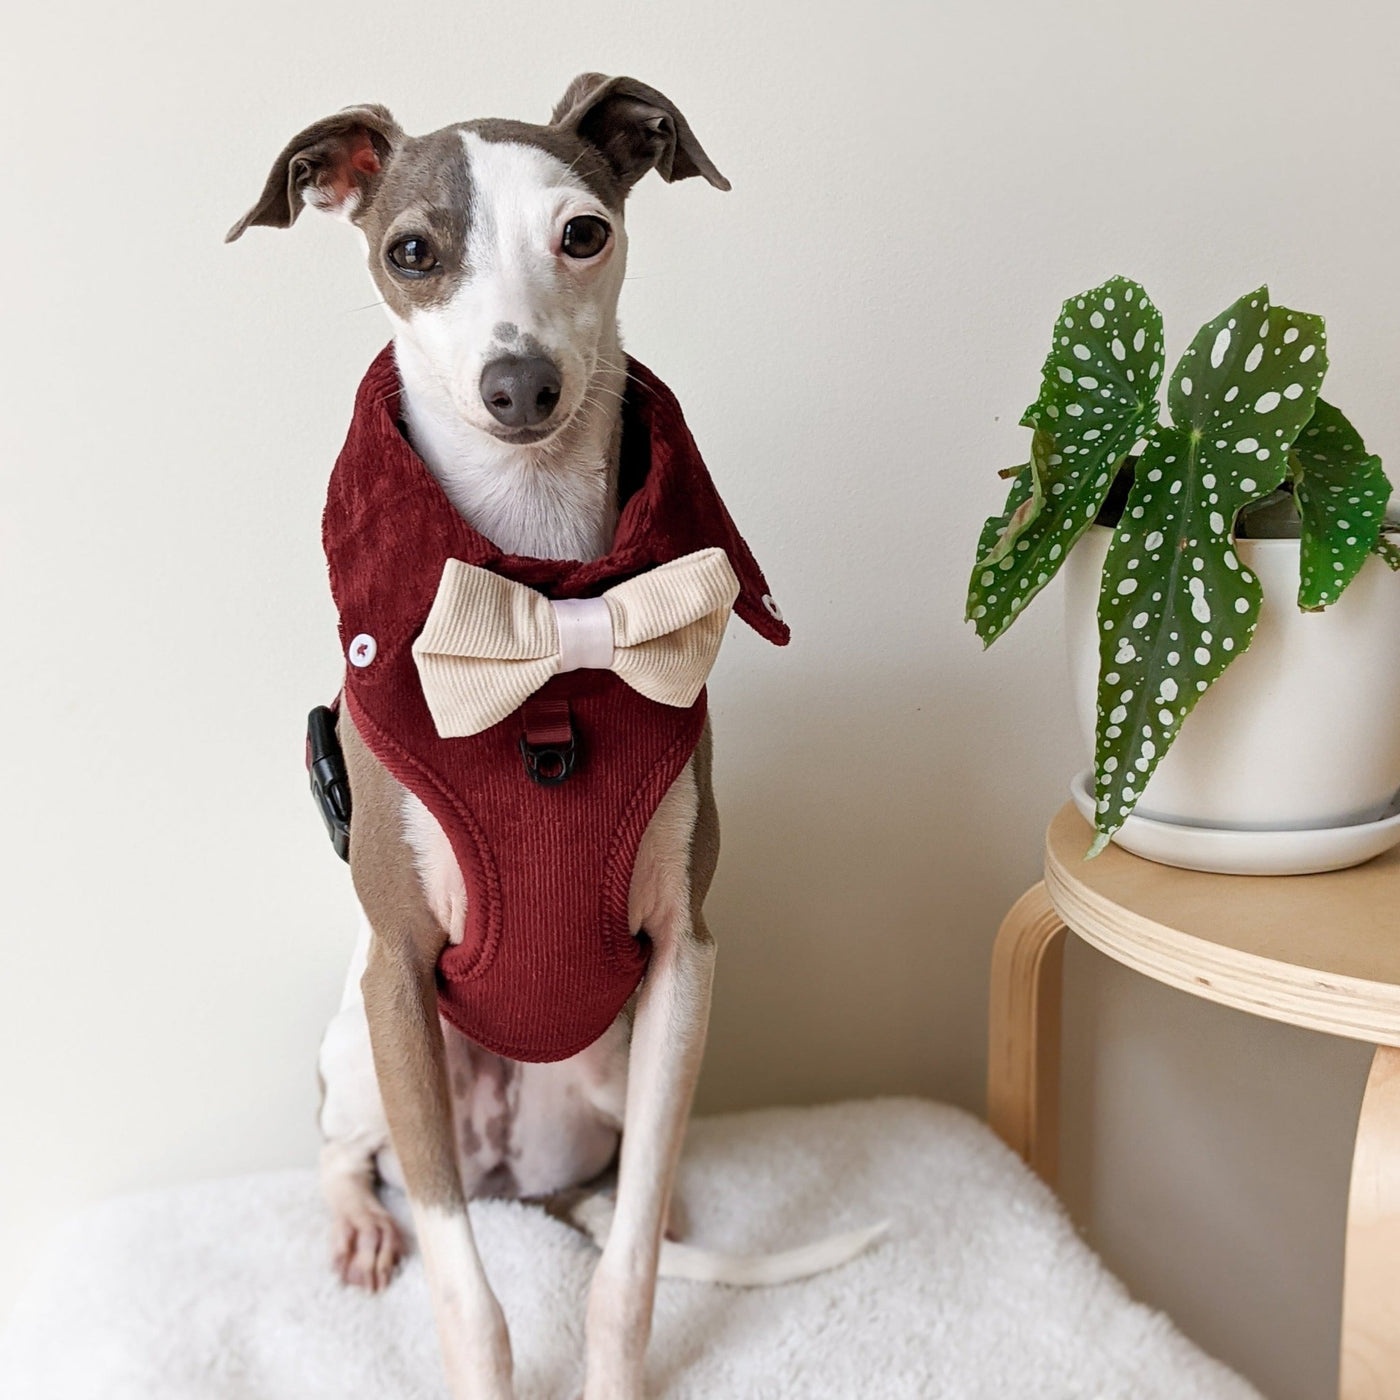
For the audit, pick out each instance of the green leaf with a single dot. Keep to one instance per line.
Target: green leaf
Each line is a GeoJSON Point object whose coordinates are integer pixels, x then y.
{"type": "Point", "coordinates": [1177, 606]}
{"type": "Point", "coordinates": [1021, 488]}
{"type": "Point", "coordinates": [1389, 550]}
{"type": "Point", "coordinates": [1023, 505]}
{"type": "Point", "coordinates": [1342, 494]}
{"type": "Point", "coordinates": [1098, 396]}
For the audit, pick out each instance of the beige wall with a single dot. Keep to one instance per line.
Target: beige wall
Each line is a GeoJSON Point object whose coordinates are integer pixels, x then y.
{"type": "Point", "coordinates": [854, 331]}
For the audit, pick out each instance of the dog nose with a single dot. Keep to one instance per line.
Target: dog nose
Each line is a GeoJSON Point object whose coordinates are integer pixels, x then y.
{"type": "Point", "coordinates": [520, 392]}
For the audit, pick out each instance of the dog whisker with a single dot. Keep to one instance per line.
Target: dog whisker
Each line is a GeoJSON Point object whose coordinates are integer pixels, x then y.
{"type": "Point", "coordinates": [623, 369]}
{"type": "Point", "coordinates": [591, 396]}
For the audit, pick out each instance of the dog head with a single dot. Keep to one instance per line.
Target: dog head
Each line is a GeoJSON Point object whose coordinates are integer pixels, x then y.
{"type": "Point", "coordinates": [498, 246]}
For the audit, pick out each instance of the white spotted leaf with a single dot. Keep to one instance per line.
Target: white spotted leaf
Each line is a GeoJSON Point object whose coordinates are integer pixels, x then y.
{"type": "Point", "coordinates": [1389, 549]}
{"type": "Point", "coordinates": [1176, 605]}
{"type": "Point", "coordinates": [1098, 396]}
{"type": "Point", "coordinates": [1023, 505]}
{"type": "Point", "coordinates": [1341, 493]}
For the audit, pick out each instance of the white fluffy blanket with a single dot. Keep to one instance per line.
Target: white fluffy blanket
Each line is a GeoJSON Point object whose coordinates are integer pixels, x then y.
{"type": "Point", "coordinates": [222, 1291]}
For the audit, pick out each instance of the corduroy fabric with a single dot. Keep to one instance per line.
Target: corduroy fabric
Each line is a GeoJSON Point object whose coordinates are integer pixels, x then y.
{"type": "Point", "coordinates": [547, 959]}
{"type": "Point", "coordinates": [490, 643]}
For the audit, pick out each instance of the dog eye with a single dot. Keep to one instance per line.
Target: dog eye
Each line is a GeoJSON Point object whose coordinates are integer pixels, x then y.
{"type": "Point", "coordinates": [585, 237]}
{"type": "Point", "coordinates": [413, 256]}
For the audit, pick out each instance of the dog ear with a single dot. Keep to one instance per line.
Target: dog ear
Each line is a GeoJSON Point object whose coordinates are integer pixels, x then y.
{"type": "Point", "coordinates": [636, 128]}
{"type": "Point", "coordinates": [335, 164]}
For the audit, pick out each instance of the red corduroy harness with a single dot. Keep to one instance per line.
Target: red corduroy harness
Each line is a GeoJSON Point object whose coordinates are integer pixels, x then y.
{"type": "Point", "coordinates": [547, 960]}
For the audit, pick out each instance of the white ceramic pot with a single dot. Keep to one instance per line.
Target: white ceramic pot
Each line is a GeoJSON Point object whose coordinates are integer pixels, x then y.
{"type": "Point", "coordinates": [1303, 729]}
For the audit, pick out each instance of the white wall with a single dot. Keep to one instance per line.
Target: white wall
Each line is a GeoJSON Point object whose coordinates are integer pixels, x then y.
{"type": "Point", "coordinates": [854, 331]}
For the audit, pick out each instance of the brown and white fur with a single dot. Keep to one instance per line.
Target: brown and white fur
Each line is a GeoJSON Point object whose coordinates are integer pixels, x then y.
{"type": "Point", "coordinates": [481, 240]}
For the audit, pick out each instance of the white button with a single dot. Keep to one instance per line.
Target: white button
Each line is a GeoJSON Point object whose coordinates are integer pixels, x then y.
{"type": "Point", "coordinates": [362, 650]}
{"type": "Point", "coordinates": [774, 611]}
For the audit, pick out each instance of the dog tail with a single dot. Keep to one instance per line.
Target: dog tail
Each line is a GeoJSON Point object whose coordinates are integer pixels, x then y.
{"type": "Point", "coordinates": [593, 1215]}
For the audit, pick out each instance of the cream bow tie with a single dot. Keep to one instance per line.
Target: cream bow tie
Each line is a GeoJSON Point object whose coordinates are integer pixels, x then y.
{"type": "Point", "coordinates": [490, 643]}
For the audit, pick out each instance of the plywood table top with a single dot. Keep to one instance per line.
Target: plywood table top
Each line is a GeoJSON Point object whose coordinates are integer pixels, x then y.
{"type": "Point", "coordinates": [1321, 951]}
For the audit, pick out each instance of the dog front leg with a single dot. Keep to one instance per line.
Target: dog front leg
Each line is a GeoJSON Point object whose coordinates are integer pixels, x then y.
{"type": "Point", "coordinates": [400, 997]}
{"type": "Point", "coordinates": [668, 1039]}
{"type": "Point", "coordinates": [401, 1005]}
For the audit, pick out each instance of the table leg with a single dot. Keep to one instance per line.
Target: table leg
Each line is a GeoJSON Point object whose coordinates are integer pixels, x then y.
{"type": "Point", "coordinates": [1371, 1287]}
{"type": "Point", "coordinates": [1023, 1061]}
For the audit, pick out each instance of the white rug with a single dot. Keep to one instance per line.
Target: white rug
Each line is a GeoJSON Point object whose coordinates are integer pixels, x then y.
{"type": "Point", "coordinates": [222, 1291]}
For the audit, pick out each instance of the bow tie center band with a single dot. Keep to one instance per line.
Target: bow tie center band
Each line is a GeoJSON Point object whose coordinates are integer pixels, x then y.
{"type": "Point", "coordinates": [585, 630]}
{"type": "Point", "coordinates": [490, 643]}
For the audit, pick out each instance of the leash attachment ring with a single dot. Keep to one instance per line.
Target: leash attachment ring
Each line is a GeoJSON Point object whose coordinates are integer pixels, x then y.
{"type": "Point", "coordinates": [548, 747]}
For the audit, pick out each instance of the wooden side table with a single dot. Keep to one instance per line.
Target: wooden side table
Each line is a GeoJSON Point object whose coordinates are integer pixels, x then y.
{"type": "Point", "coordinates": [1321, 951]}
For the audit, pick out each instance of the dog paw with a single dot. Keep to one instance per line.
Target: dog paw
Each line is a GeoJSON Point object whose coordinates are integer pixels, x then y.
{"type": "Point", "coordinates": [368, 1245]}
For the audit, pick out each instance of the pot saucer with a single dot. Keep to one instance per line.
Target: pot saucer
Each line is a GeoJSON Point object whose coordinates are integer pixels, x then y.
{"type": "Point", "coordinates": [1246, 852]}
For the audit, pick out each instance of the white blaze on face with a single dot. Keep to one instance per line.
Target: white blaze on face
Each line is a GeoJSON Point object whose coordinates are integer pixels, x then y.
{"type": "Point", "coordinates": [516, 277]}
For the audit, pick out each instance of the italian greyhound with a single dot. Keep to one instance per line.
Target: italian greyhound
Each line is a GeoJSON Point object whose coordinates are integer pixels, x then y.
{"type": "Point", "coordinates": [499, 249]}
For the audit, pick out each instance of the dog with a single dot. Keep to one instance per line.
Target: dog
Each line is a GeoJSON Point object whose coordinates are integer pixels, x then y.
{"type": "Point", "coordinates": [499, 250]}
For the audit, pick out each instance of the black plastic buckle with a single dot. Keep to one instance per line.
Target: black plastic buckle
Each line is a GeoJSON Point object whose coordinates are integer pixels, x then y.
{"type": "Point", "coordinates": [548, 764]}
{"type": "Point", "coordinates": [330, 782]}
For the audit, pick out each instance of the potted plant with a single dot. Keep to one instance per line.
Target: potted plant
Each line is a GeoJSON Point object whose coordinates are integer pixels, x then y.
{"type": "Point", "coordinates": [1189, 539]}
